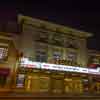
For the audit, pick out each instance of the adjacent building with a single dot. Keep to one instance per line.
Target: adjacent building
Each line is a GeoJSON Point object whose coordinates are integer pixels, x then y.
{"type": "Point", "coordinates": [8, 57]}
{"type": "Point", "coordinates": [93, 58]}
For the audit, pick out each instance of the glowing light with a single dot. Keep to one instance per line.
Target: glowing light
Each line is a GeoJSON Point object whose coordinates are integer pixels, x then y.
{"type": "Point", "coordinates": [25, 62]}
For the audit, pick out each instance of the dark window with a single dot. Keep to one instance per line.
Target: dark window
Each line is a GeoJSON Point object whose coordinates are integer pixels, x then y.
{"type": "Point", "coordinates": [41, 56]}
{"type": "Point", "coordinates": [56, 55]}
{"type": "Point", "coordinates": [72, 56]}
{"type": "Point", "coordinates": [2, 81]}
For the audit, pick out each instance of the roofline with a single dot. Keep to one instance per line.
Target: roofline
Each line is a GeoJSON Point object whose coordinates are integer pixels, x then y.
{"type": "Point", "coordinates": [53, 27]}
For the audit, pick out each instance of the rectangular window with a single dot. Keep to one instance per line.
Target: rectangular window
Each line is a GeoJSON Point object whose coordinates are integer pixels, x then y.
{"type": "Point", "coordinates": [57, 40]}
{"type": "Point", "coordinates": [56, 55]}
{"type": "Point", "coordinates": [41, 37]}
{"type": "Point", "coordinates": [41, 56]}
{"type": "Point", "coordinates": [72, 56]}
{"type": "Point", "coordinates": [3, 53]}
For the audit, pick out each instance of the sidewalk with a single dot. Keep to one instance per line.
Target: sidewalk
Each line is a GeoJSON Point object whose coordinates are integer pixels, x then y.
{"type": "Point", "coordinates": [31, 96]}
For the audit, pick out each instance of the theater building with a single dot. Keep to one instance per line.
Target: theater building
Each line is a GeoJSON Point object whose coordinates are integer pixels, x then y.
{"type": "Point", "coordinates": [42, 39]}
{"type": "Point", "coordinates": [53, 58]}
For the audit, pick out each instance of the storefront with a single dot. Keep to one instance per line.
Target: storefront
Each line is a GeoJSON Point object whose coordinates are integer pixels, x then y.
{"type": "Point", "coordinates": [73, 84]}
{"type": "Point", "coordinates": [37, 77]}
{"type": "Point", "coordinates": [37, 82]}
{"type": "Point", "coordinates": [40, 81]}
{"type": "Point", "coordinates": [33, 80]}
{"type": "Point", "coordinates": [4, 75]}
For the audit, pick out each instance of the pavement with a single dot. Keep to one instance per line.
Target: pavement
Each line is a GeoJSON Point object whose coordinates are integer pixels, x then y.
{"type": "Point", "coordinates": [32, 96]}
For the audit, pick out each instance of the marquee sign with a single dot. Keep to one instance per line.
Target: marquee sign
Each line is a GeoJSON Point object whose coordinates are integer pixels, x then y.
{"type": "Point", "coordinates": [27, 63]}
{"type": "Point", "coordinates": [63, 68]}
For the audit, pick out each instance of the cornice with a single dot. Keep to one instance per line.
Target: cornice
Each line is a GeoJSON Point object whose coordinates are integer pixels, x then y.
{"type": "Point", "coordinates": [52, 27]}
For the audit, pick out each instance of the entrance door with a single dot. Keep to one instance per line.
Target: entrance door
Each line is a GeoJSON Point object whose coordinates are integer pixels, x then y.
{"type": "Point", "coordinates": [73, 85]}
{"type": "Point", "coordinates": [44, 82]}
{"type": "Point", "coordinates": [77, 86]}
{"type": "Point", "coordinates": [32, 83]}
{"type": "Point", "coordinates": [57, 85]}
{"type": "Point", "coordinates": [37, 83]}
{"type": "Point", "coordinates": [68, 85]}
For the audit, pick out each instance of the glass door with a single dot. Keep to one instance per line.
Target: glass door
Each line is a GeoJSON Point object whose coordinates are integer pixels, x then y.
{"type": "Point", "coordinates": [77, 86]}
{"type": "Point", "coordinates": [73, 85]}
{"type": "Point", "coordinates": [32, 83]}
{"type": "Point", "coordinates": [57, 85]}
{"type": "Point", "coordinates": [68, 85]}
{"type": "Point", "coordinates": [37, 83]}
{"type": "Point", "coordinates": [44, 82]}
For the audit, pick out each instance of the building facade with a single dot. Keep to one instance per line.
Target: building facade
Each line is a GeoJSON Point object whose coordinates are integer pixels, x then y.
{"type": "Point", "coordinates": [51, 41]}
{"type": "Point", "coordinates": [53, 59]}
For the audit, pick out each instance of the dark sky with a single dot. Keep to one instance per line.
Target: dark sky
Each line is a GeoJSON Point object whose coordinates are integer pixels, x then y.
{"type": "Point", "coordinates": [77, 14]}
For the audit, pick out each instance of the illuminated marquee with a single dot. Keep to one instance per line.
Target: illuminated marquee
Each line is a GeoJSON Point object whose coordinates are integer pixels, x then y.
{"type": "Point", "coordinates": [26, 63]}
{"type": "Point", "coordinates": [63, 68]}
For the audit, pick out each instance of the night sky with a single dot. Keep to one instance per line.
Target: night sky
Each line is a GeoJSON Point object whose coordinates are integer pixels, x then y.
{"type": "Point", "coordinates": [76, 14]}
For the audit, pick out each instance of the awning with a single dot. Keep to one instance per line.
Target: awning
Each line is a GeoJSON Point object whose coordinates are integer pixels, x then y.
{"type": "Point", "coordinates": [93, 65]}
{"type": "Point", "coordinates": [4, 71]}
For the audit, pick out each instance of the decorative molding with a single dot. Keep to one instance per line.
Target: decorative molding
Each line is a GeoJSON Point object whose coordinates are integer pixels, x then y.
{"type": "Point", "coordinates": [53, 27]}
